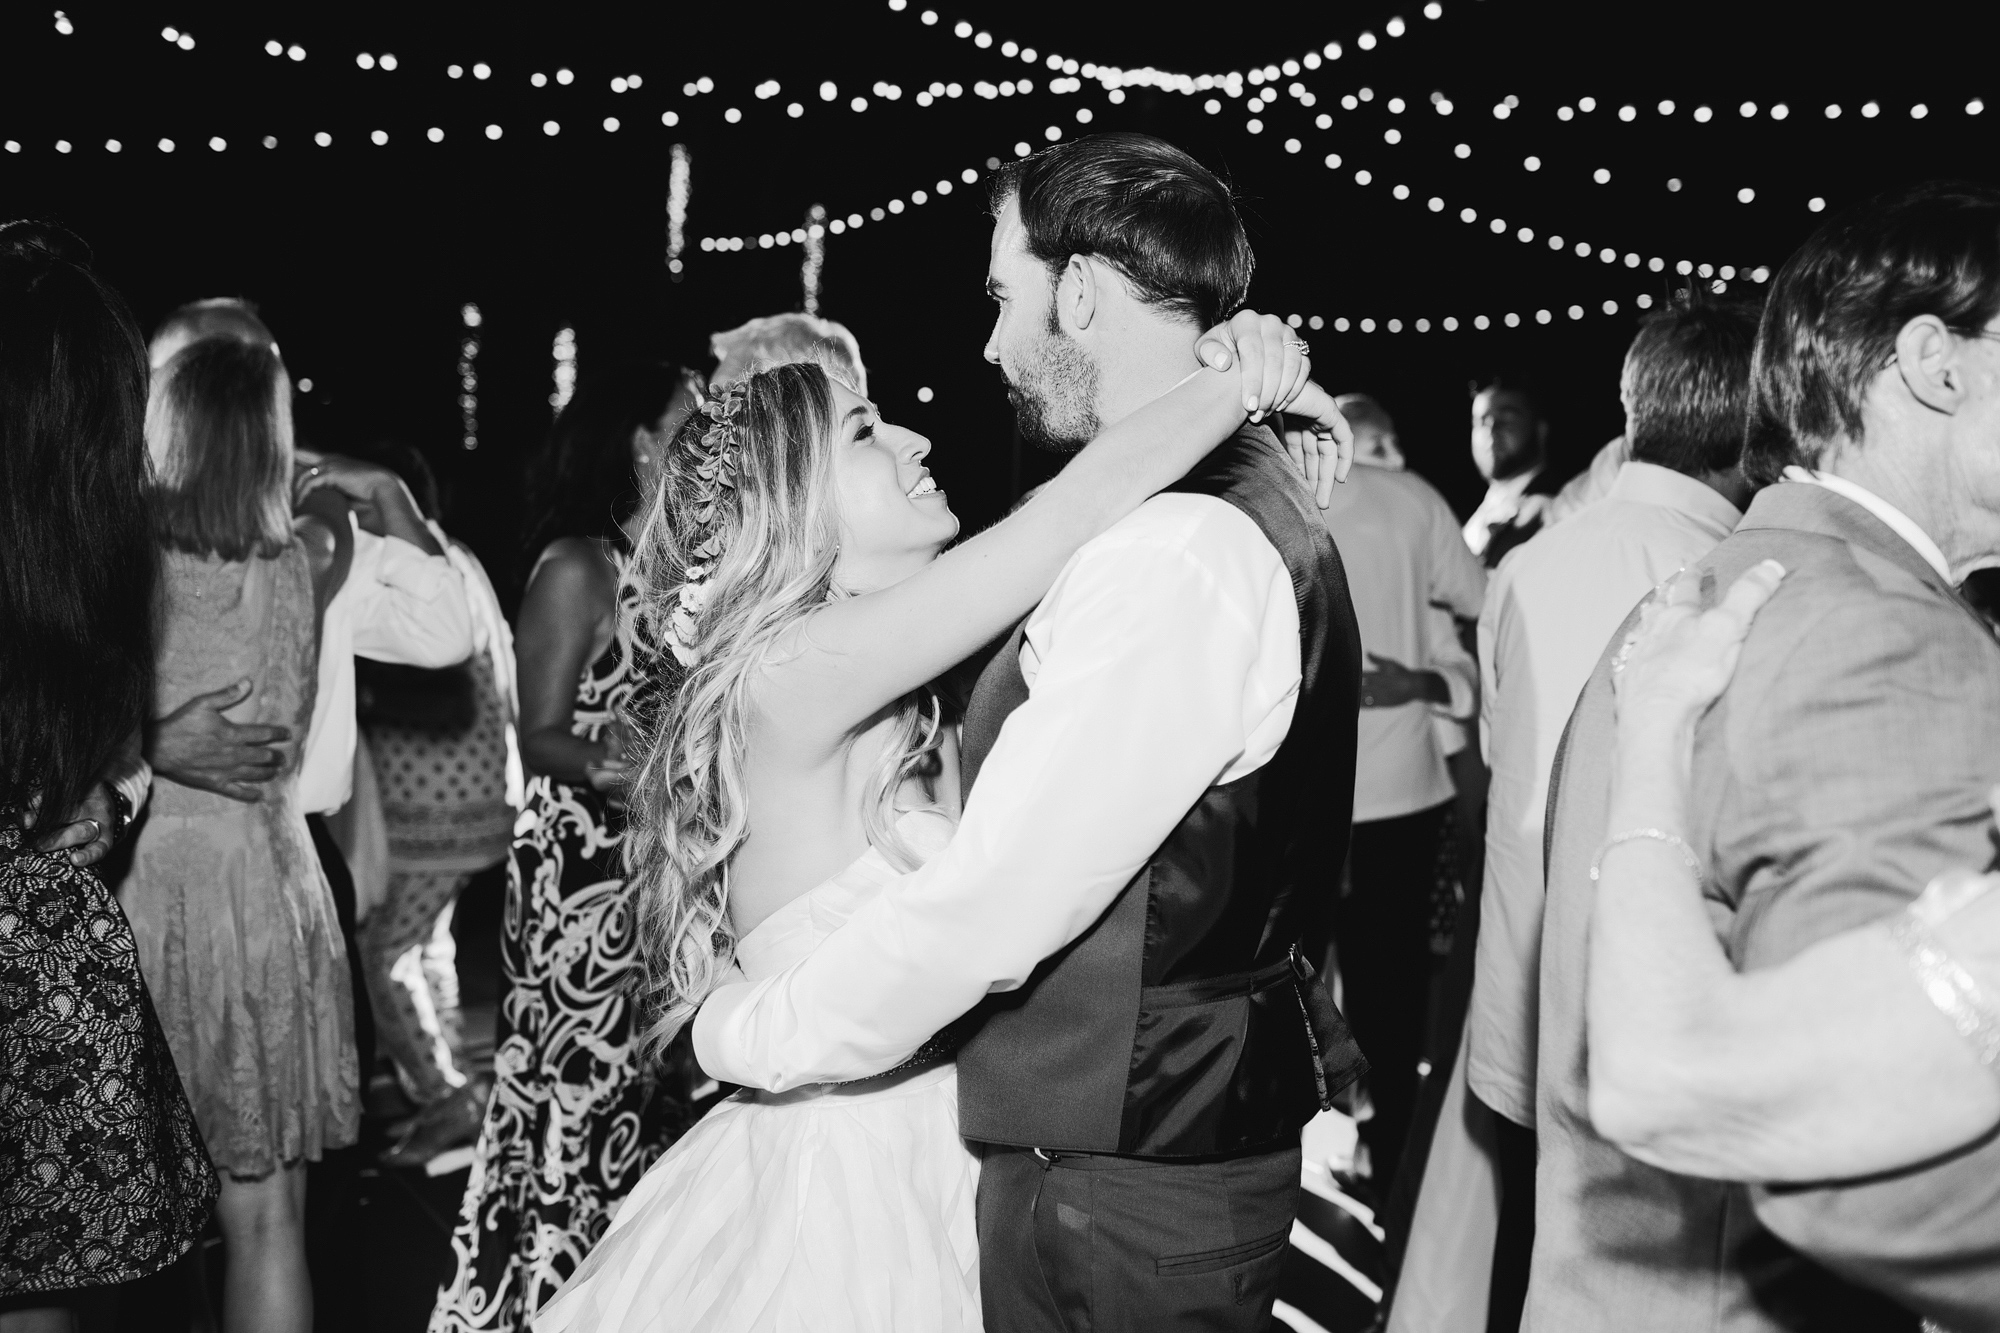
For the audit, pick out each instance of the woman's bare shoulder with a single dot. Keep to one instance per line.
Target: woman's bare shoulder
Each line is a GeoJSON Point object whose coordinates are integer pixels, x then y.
{"type": "Point", "coordinates": [570, 565]}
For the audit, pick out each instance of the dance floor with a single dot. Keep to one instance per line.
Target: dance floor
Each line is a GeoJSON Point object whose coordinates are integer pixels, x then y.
{"type": "Point", "coordinates": [381, 1237]}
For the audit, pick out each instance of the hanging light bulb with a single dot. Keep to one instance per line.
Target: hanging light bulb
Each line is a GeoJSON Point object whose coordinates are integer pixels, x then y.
{"type": "Point", "coordinates": [564, 354]}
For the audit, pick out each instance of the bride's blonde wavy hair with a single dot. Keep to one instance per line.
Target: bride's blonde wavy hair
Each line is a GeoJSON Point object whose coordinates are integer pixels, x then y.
{"type": "Point", "coordinates": [746, 520]}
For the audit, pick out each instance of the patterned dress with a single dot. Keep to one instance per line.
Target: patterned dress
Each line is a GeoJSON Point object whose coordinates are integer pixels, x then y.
{"type": "Point", "coordinates": [102, 1174]}
{"type": "Point", "coordinates": [234, 921]}
{"type": "Point", "coordinates": [574, 1122]}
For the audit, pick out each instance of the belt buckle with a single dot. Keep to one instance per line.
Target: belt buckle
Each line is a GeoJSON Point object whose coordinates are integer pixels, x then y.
{"type": "Point", "coordinates": [1048, 1158]}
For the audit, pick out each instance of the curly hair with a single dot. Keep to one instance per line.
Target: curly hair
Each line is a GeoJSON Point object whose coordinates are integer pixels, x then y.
{"type": "Point", "coordinates": [747, 511]}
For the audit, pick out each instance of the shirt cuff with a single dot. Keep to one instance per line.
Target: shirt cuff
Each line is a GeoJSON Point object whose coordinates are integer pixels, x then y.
{"type": "Point", "coordinates": [712, 1033]}
{"type": "Point", "coordinates": [1463, 687]}
{"type": "Point", "coordinates": [408, 569]}
{"type": "Point", "coordinates": [135, 784]}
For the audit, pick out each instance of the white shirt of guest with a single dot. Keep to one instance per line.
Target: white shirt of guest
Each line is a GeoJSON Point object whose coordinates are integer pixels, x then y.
{"type": "Point", "coordinates": [1502, 505]}
{"type": "Point", "coordinates": [1164, 661]}
{"type": "Point", "coordinates": [397, 605]}
{"type": "Point", "coordinates": [1551, 607]}
{"type": "Point", "coordinates": [1404, 555]}
{"type": "Point", "coordinates": [1893, 518]}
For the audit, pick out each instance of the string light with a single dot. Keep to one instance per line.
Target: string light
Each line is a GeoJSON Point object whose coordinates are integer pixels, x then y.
{"type": "Point", "coordinates": [468, 375]}
{"type": "Point", "coordinates": [815, 261]}
{"type": "Point", "coordinates": [680, 185]}
{"type": "Point", "coordinates": [851, 222]}
{"type": "Point", "coordinates": [1478, 323]}
{"type": "Point", "coordinates": [564, 354]}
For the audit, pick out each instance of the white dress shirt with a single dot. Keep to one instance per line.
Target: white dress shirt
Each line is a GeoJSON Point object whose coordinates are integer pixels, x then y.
{"type": "Point", "coordinates": [1502, 504]}
{"type": "Point", "coordinates": [1404, 555]}
{"type": "Point", "coordinates": [1164, 661]}
{"type": "Point", "coordinates": [1553, 604]}
{"type": "Point", "coordinates": [1895, 519]}
{"type": "Point", "coordinates": [397, 605]}
{"type": "Point", "coordinates": [1592, 484]}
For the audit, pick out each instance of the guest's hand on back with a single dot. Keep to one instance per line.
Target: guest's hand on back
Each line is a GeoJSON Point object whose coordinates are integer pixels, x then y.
{"type": "Point", "coordinates": [1679, 659]}
{"type": "Point", "coordinates": [1275, 364]}
{"type": "Point", "coordinates": [196, 746]}
{"type": "Point", "coordinates": [91, 831]}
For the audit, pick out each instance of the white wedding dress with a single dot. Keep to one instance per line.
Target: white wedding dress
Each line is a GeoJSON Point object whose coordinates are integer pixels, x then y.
{"type": "Point", "coordinates": [834, 1208]}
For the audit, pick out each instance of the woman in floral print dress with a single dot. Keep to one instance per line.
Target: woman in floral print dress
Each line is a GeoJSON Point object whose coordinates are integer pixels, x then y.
{"type": "Point", "coordinates": [574, 1121]}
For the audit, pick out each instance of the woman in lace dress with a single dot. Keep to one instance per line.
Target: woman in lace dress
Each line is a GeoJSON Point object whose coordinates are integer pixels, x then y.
{"type": "Point", "coordinates": [572, 1122]}
{"type": "Point", "coordinates": [234, 919]}
{"type": "Point", "coordinates": [803, 763]}
{"type": "Point", "coordinates": [102, 1174]}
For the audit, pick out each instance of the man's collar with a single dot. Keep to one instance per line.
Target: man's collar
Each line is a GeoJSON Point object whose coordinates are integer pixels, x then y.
{"type": "Point", "coordinates": [1514, 487]}
{"type": "Point", "coordinates": [1893, 518]}
{"type": "Point", "coordinates": [1649, 483]}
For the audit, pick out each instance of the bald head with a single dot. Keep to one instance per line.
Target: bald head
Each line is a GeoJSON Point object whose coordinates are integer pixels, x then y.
{"type": "Point", "coordinates": [218, 317]}
{"type": "Point", "coordinates": [779, 340]}
{"type": "Point", "coordinates": [1374, 431]}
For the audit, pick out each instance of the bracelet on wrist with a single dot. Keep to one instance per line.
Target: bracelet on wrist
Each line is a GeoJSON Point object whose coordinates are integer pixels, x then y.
{"type": "Point", "coordinates": [121, 813]}
{"type": "Point", "coordinates": [1671, 839]}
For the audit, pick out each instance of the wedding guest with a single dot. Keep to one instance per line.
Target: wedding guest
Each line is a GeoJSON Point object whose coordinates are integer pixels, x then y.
{"type": "Point", "coordinates": [1404, 556]}
{"type": "Point", "coordinates": [574, 1119]}
{"type": "Point", "coordinates": [103, 1177]}
{"type": "Point", "coordinates": [1848, 762]}
{"type": "Point", "coordinates": [440, 745]}
{"type": "Point", "coordinates": [400, 601]}
{"type": "Point", "coordinates": [1549, 611]}
{"type": "Point", "coordinates": [198, 744]}
{"type": "Point", "coordinates": [1593, 483]}
{"type": "Point", "coordinates": [777, 340]}
{"type": "Point", "coordinates": [214, 317]}
{"type": "Point", "coordinates": [1510, 443]}
{"type": "Point", "coordinates": [234, 918]}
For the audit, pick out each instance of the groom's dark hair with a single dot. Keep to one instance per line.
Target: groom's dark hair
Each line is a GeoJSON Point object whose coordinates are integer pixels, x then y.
{"type": "Point", "coordinates": [1141, 205]}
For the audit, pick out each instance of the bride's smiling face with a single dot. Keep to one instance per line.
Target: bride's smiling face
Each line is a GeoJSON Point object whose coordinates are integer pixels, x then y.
{"type": "Point", "coordinates": [893, 518]}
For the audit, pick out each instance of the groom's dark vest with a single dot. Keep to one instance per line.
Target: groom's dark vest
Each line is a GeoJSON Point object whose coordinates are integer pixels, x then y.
{"type": "Point", "coordinates": [1182, 1024]}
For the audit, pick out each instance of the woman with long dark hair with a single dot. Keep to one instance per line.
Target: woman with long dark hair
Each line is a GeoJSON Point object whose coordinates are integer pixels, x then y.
{"type": "Point", "coordinates": [573, 1121]}
{"type": "Point", "coordinates": [102, 1174]}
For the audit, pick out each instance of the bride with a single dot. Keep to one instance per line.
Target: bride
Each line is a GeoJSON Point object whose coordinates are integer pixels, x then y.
{"type": "Point", "coordinates": [803, 762]}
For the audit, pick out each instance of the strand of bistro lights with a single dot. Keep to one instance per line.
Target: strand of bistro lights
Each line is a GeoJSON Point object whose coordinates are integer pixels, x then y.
{"type": "Point", "coordinates": [1511, 319]}
{"type": "Point", "coordinates": [1071, 73]}
{"type": "Point", "coordinates": [1115, 78]}
{"type": "Point", "coordinates": [1112, 79]}
{"type": "Point", "coordinates": [897, 205]}
{"type": "Point", "coordinates": [1334, 161]}
{"type": "Point", "coordinates": [1503, 109]}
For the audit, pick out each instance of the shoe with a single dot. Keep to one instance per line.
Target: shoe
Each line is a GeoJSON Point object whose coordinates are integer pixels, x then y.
{"type": "Point", "coordinates": [385, 1100]}
{"type": "Point", "coordinates": [441, 1126]}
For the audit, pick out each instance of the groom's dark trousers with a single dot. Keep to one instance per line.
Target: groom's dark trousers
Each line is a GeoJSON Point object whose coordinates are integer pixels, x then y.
{"type": "Point", "coordinates": [1140, 1097]}
{"type": "Point", "coordinates": [1074, 1242]}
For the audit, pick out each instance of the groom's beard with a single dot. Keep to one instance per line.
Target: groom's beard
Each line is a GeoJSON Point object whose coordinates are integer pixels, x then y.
{"type": "Point", "coordinates": [1055, 395]}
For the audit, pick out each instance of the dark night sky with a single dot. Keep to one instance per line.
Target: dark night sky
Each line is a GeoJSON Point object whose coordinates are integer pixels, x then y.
{"type": "Point", "coordinates": [361, 256]}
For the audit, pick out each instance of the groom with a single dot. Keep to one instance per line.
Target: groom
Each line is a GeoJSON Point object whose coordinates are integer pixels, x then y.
{"type": "Point", "coordinates": [1164, 759]}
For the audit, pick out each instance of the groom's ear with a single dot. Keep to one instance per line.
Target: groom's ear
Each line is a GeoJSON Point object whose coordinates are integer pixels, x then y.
{"type": "Point", "coordinates": [1077, 293]}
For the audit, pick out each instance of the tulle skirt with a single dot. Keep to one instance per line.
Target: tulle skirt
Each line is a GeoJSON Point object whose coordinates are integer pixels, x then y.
{"type": "Point", "coordinates": [826, 1209]}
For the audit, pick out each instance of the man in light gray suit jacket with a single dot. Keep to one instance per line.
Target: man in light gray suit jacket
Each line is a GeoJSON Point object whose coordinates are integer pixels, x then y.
{"type": "Point", "coordinates": [1848, 763]}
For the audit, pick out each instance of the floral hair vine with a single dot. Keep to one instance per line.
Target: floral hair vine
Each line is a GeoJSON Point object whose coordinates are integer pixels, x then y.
{"type": "Point", "coordinates": [714, 455]}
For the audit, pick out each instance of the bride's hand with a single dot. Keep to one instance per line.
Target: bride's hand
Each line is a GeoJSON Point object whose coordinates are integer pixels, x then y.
{"type": "Point", "coordinates": [1319, 440]}
{"type": "Point", "coordinates": [1273, 358]}
{"type": "Point", "coordinates": [1275, 362]}
{"type": "Point", "coordinates": [1679, 659]}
